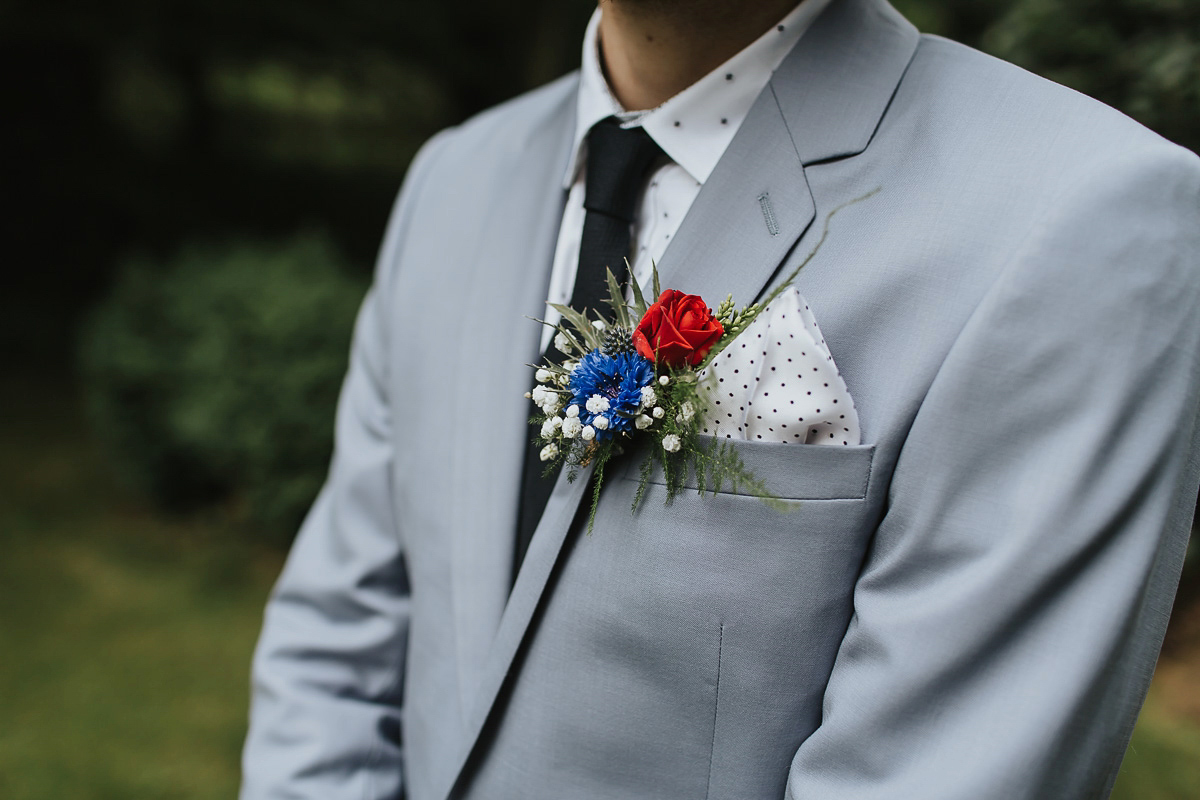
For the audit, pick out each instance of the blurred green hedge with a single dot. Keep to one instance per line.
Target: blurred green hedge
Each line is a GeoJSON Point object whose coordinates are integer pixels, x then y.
{"type": "Point", "coordinates": [213, 378]}
{"type": "Point", "coordinates": [1141, 56]}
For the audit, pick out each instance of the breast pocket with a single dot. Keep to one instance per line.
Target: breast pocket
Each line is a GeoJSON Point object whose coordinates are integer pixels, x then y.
{"type": "Point", "coordinates": [789, 471]}
{"type": "Point", "coordinates": [731, 543]}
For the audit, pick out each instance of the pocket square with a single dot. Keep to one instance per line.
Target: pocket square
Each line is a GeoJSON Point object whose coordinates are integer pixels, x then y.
{"type": "Point", "coordinates": [777, 382]}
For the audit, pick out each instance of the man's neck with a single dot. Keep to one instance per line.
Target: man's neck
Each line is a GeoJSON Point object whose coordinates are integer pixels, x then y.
{"type": "Point", "coordinates": [654, 49]}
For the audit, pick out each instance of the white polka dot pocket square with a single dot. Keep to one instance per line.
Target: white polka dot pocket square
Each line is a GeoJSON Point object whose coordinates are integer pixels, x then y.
{"type": "Point", "coordinates": [777, 382]}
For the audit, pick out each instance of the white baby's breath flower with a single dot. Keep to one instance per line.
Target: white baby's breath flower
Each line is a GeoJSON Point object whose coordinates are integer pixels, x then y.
{"type": "Point", "coordinates": [572, 411]}
{"type": "Point", "coordinates": [539, 394]}
{"type": "Point", "coordinates": [552, 404]}
{"type": "Point", "coordinates": [597, 404]}
{"type": "Point", "coordinates": [562, 343]}
{"type": "Point", "coordinates": [664, 380]}
{"type": "Point", "coordinates": [570, 366]}
{"type": "Point", "coordinates": [551, 425]}
{"type": "Point", "coordinates": [658, 412]}
{"type": "Point", "coordinates": [671, 443]}
{"type": "Point", "coordinates": [687, 410]}
{"type": "Point", "coordinates": [600, 423]}
{"type": "Point", "coordinates": [543, 375]}
{"type": "Point", "coordinates": [649, 398]}
{"type": "Point", "coordinates": [588, 433]}
{"type": "Point", "coordinates": [571, 427]}
{"type": "Point", "coordinates": [549, 452]}
{"type": "Point", "coordinates": [599, 324]}
{"type": "Point", "coordinates": [642, 422]}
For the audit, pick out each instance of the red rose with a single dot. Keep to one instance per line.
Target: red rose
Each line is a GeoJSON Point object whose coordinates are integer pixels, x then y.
{"type": "Point", "coordinates": [678, 329]}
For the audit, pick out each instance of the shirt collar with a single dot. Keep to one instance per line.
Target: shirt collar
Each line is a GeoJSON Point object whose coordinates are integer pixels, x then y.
{"type": "Point", "coordinates": [695, 126]}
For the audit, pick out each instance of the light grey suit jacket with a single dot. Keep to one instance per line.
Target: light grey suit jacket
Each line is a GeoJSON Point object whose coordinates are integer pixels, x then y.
{"type": "Point", "coordinates": [968, 605]}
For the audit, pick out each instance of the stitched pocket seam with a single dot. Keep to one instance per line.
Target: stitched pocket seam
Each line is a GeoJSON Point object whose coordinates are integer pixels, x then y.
{"type": "Point", "coordinates": [857, 492]}
{"type": "Point", "coordinates": [716, 710]}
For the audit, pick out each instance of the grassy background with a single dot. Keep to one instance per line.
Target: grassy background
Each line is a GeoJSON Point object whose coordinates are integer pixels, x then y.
{"type": "Point", "coordinates": [125, 638]}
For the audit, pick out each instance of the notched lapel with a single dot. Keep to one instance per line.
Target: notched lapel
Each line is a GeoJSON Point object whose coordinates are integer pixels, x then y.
{"type": "Point", "coordinates": [749, 215]}
{"type": "Point", "coordinates": [835, 87]}
{"type": "Point", "coordinates": [825, 101]}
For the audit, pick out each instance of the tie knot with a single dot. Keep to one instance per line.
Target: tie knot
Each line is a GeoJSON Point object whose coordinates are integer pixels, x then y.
{"type": "Point", "coordinates": [617, 161]}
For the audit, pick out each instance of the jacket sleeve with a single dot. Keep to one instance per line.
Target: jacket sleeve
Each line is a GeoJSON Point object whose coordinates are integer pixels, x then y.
{"type": "Point", "coordinates": [1010, 610]}
{"type": "Point", "coordinates": [328, 672]}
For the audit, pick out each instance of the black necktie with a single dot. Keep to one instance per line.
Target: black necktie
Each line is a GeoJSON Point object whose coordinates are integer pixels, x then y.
{"type": "Point", "coordinates": [618, 160]}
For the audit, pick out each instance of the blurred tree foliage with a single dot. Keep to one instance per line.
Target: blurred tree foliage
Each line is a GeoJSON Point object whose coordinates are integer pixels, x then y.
{"type": "Point", "coordinates": [1141, 56]}
{"type": "Point", "coordinates": [214, 377]}
{"type": "Point", "coordinates": [961, 20]}
{"type": "Point", "coordinates": [144, 124]}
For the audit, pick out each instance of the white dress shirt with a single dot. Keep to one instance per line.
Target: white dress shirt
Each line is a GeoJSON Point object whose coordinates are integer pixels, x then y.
{"type": "Point", "coordinates": [693, 128]}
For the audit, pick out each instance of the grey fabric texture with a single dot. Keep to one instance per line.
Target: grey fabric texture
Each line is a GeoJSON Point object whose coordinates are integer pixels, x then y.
{"type": "Point", "coordinates": [969, 605]}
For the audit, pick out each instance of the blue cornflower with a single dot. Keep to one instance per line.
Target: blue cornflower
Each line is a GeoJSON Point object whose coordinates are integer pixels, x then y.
{"type": "Point", "coordinates": [618, 380]}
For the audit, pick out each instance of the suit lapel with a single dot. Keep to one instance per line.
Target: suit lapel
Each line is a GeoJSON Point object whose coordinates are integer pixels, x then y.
{"type": "Point", "coordinates": [756, 200]}
{"type": "Point", "coordinates": [836, 85]}
{"type": "Point", "coordinates": [824, 102]}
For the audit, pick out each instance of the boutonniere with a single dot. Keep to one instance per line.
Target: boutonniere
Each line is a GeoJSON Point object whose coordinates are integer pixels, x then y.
{"type": "Point", "coordinates": [637, 375]}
